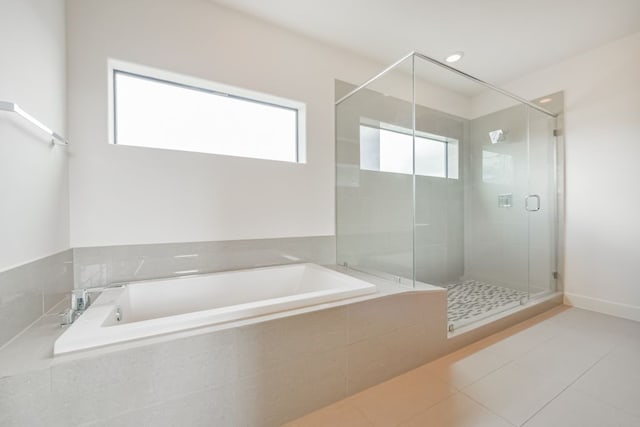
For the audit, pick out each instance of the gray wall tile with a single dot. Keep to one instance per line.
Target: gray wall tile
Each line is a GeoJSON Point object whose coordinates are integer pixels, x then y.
{"type": "Point", "coordinates": [99, 387]}
{"type": "Point", "coordinates": [25, 400]}
{"type": "Point", "coordinates": [377, 317]}
{"type": "Point", "coordinates": [20, 301]}
{"type": "Point", "coordinates": [104, 265]}
{"type": "Point", "coordinates": [271, 345]}
{"type": "Point", "coordinates": [59, 280]}
{"type": "Point", "coordinates": [30, 290]}
{"type": "Point", "coordinates": [260, 374]}
{"type": "Point", "coordinates": [376, 359]}
{"type": "Point", "coordinates": [211, 407]}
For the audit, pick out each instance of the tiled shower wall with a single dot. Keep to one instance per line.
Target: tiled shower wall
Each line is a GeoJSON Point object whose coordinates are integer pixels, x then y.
{"type": "Point", "coordinates": [509, 246]}
{"type": "Point", "coordinates": [375, 209]}
{"type": "Point", "coordinates": [30, 290]}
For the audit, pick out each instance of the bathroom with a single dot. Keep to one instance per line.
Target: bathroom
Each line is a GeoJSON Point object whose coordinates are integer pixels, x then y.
{"type": "Point", "coordinates": [146, 281]}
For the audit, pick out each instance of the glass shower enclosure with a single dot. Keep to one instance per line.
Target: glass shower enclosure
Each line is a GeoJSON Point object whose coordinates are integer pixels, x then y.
{"type": "Point", "coordinates": [443, 179]}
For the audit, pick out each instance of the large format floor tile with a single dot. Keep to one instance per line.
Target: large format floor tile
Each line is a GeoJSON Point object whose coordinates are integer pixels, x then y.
{"type": "Point", "coordinates": [401, 398]}
{"type": "Point", "coordinates": [515, 392]}
{"type": "Point", "coordinates": [456, 411]}
{"type": "Point", "coordinates": [566, 368]}
{"type": "Point", "coordinates": [574, 409]}
{"type": "Point", "coordinates": [566, 356]}
{"type": "Point", "coordinates": [615, 380]}
{"type": "Point", "coordinates": [466, 366]}
{"type": "Point", "coordinates": [339, 414]}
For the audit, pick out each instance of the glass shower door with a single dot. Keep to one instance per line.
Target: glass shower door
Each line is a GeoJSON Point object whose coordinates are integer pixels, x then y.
{"type": "Point", "coordinates": [442, 182]}
{"type": "Point", "coordinates": [496, 274]}
{"type": "Point", "coordinates": [541, 204]}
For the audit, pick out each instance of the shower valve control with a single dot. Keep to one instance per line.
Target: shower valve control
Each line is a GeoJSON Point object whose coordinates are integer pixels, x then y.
{"type": "Point", "coordinates": [505, 200]}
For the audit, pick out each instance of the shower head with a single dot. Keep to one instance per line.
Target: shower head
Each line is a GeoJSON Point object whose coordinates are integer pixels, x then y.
{"type": "Point", "coordinates": [496, 136]}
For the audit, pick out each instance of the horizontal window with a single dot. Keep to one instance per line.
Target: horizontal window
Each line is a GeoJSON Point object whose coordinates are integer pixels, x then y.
{"type": "Point", "coordinates": [389, 149]}
{"type": "Point", "coordinates": [156, 109]}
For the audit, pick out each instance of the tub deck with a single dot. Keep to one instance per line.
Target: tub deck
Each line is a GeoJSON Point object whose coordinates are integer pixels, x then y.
{"type": "Point", "coordinates": [155, 307]}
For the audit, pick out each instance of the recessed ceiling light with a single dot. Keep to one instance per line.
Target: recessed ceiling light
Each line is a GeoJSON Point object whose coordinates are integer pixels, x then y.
{"type": "Point", "coordinates": [455, 57]}
{"type": "Point", "coordinates": [545, 100]}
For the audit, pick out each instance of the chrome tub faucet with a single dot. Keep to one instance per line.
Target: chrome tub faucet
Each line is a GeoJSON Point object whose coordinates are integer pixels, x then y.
{"type": "Point", "coordinates": [81, 300]}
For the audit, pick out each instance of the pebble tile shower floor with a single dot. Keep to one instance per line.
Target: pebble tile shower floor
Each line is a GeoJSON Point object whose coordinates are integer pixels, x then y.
{"type": "Point", "coordinates": [470, 299]}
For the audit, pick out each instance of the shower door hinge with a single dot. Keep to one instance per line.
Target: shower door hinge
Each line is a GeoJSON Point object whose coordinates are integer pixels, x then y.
{"type": "Point", "coordinates": [557, 132]}
{"type": "Point", "coordinates": [555, 274]}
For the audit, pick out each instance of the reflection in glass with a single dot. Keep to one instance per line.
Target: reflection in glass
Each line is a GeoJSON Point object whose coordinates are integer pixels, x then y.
{"type": "Point", "coordinates": [385, 150]}
{"type": "Point", "coordinates": [432, 173]}
{"type": "Point", "coordinates": [497, 168]}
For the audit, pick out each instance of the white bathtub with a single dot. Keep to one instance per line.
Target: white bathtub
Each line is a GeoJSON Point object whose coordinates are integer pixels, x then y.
{"type": "Point", "coordinates": [157, 307]}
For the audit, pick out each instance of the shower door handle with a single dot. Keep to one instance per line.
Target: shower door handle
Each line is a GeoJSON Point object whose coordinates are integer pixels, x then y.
{"type": "Point", "coordinates": [527, 205]}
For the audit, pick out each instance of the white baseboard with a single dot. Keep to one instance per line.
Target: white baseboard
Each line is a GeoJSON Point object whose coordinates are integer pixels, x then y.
{"type": "Point", "coordinates": [625, 311]}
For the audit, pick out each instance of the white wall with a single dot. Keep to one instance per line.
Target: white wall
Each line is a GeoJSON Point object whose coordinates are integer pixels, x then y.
{"type": "Point", "coordinates": [602, 122]}
{"type": "Point", "coordinates": [122, 195]}
{"type": "Point", "coordinates": [127, 195]}
{"type": "Point", "coordinates": [33, 174]}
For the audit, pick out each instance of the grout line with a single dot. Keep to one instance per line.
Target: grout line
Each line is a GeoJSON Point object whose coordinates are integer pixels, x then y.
{"type": "Point", "coordinates": [157, 404]}
{"type": "Point", "coordinates": [19, 334]}
{"type": "Point", "coordinates": [491, 411]}
{"type": "Point", "coordinates": [461, 388]}
{"type": "Point", "coordinates": [360, 412]}
{"type": "Point", "coordinates": [31, 261]}
{"type": "Point", "coordinates": [23, 331]}
{"type": "Point", "coordinates": [596, 397]}
{"type": "Point", "coordinates": [502, 366]}
{"type": "Point", "coordinates": [568, 386]}
{"type": "Point", "coordinates": [347, 365]}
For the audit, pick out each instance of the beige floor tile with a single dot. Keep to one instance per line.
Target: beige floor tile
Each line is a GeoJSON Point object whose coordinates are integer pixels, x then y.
{"type": "Point", "coordinates": [514, 345]}
{"type": "Point", "coordinates": [544, 320]}
{"type": "Point", "coordinates": [456, 411]}
{"type": "Point", "coordinates": [632, 343]}
{"type": "Point", "coordinates": [339, 414]}
{"type": "Point", "coordinates": [566, 356]}
{"type": "Point", "coordinates": [465, 367]}
{"type": "Point", "coordinates": [599, 326]}
{"type": "Point", "coordinates": [615, 380]}
{"type": "Point", "coordinates": [516, 376]}
{"type": "Point", "coordinates": [401, 398]}
{"type": "Point", "coordinates": [574, 409]}
{"type": "Point", "coordinates": [514, 392]}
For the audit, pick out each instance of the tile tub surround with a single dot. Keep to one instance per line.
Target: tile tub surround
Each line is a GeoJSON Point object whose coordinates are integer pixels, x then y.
{"type": "Point", "coordinates": [30, 290]}
{"type": "Point", "coordinates": [249, 373]}
{"type": "Point", "coordinates": [99, 266]}
{"type": "Point", "coordinates": [157, 307]}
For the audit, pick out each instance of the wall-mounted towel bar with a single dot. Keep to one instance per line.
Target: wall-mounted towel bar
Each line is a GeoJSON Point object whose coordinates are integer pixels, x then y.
{"type": "Point", "coordinates": [14, 108]}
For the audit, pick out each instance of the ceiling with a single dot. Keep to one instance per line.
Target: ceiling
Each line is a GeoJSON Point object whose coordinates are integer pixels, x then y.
{"type": "Point", "coordinates": [502, 39]}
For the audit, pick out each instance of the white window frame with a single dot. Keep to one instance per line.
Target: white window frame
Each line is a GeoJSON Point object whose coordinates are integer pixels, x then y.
{"type": "Point", "coordinates": [114, 65]}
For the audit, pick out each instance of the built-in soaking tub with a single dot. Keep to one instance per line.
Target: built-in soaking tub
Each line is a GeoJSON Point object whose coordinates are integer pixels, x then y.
{"type": "Point", "coordinates": [154, 307]}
